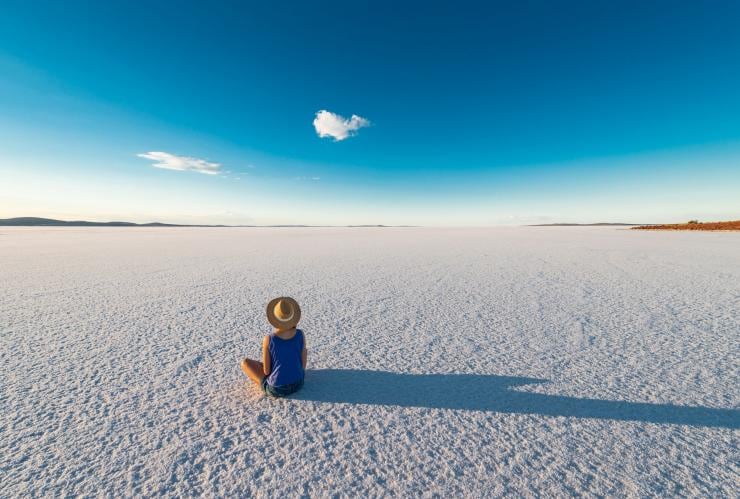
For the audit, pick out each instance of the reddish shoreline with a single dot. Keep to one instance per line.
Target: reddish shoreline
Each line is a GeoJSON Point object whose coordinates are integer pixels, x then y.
{"type": "Point", "coordinates": [731, 225]}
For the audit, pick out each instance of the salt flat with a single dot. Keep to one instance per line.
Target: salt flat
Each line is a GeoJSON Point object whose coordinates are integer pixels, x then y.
{"type": "Point", "coordinates": [506, 361]}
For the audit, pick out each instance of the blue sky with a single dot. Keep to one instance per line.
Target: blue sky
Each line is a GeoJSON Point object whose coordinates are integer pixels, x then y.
{"type": "Point", "coordinates": [465, 113]}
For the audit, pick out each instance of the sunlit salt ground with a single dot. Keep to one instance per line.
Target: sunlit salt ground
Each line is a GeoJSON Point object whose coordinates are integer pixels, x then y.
{"type": "Point", "coordinates": [478, 362]}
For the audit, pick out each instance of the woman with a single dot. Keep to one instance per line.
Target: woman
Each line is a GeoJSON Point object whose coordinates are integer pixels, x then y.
{"type": "Point", "coordinates": [284, 351]}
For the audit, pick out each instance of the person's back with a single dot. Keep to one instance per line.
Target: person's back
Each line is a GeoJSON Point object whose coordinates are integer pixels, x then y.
{"type": "Point", "coordinates": [285, 358]}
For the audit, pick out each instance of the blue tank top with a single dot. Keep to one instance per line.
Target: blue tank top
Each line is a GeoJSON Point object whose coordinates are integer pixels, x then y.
{"type": "Point", "coordinates": [285, 359]}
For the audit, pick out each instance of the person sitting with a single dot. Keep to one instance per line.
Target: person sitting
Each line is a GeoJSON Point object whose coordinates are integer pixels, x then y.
{"type": "Point", "coordinates": [284, 353]}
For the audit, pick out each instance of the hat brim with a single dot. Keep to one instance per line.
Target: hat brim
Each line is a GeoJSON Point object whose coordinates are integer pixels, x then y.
{"type": "Point", "coordinates": [292, 322]}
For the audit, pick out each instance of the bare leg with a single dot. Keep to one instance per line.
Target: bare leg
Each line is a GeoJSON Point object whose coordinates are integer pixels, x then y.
{"type": "Point", "coordinates": [254, 370]}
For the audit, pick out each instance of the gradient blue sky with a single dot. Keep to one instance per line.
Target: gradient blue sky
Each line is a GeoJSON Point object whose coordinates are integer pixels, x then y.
{"type": "Point", "coordinates": [481, 113]}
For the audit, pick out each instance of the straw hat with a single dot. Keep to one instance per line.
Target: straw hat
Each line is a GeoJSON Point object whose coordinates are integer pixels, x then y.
{"type": "Point", "coordinates": [283, 312]}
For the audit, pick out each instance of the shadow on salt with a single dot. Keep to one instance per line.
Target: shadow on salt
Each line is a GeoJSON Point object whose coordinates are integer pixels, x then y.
{"type": "Point", "coordinates": [475, 392]}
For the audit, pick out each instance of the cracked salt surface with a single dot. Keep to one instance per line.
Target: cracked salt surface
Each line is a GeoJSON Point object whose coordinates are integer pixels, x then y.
{"type": "Point", "coordinates": [478, 362]}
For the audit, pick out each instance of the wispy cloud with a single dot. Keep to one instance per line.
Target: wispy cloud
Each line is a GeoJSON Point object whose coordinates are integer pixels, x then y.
{"type": "Point", "coordinates": [181, 163]}
{"type": "Point", "coordinates": [328, 124]}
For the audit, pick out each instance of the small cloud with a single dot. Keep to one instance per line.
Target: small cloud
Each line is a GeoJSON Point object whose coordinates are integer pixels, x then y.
{"type": "Point", "coordinates": [181, 163]}
{"type": "Point", "coordinates": [315, 178]}
{"type": "Point", "coordinates": [328, 124]}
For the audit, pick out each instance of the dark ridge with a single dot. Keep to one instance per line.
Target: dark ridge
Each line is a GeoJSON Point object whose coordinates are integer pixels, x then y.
{"type": "Point", "coordinates": [599, 224]}
{"type": "Point", "coordinates": [51, 222]}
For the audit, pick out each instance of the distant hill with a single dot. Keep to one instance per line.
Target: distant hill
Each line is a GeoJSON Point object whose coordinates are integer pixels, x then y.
{"type": "Point", "coordinates": [50, 222]}
{"type": "Point", "coordinates": [599, 224]}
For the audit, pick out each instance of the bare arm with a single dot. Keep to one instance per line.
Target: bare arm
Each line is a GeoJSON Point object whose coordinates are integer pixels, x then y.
{"type": "Point", "coordinates": [266, 365]}
{"type": "Point", "coordinates": [304, 353]}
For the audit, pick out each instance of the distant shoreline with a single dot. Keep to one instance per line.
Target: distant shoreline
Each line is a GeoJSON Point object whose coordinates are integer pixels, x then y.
{"type": "Point", "coordinates": [51, 222]}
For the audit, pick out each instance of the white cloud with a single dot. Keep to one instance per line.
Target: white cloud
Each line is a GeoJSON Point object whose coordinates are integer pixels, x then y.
{"type": "Point", "coordinates": [181, 163]}
{"type": "Point", "coordinates": [328, 124]}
